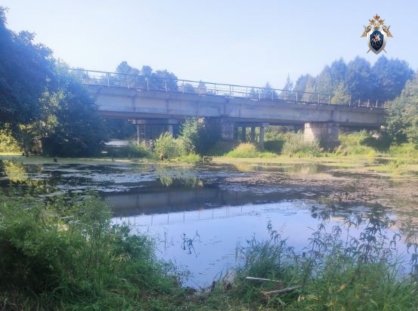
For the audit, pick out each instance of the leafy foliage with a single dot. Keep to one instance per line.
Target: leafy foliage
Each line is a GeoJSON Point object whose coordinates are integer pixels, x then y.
{"type": "Point", "coordinates": [41, 102]}
{"type": "Point", "coordinates": [199, 135]}
{"type": "Point", "coordinates": [402, 123]}
{"type": "Point", "coordinates": [357, 81]}
{"type": "Point", "coordinates": [168, 147]}
{"type": "Point", "coordinates": [26, 71]}
{"type": "Point", "coordinates": [79, 130]}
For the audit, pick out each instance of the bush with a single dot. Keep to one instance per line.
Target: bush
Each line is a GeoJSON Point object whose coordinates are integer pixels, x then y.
{"type": "Point", "coordinates": [167, 147]}
{"type": "Point", "coordinates": [199, 135]}
{"type": "Point", "coordinates": [8, 143]}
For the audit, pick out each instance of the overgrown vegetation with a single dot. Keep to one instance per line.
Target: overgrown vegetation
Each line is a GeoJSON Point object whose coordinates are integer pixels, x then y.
{"type": "Point", "coordinates": [66, 255]}
{"type": "Point", "coordinates": [248, 150]}
{"type": "Point", "coordinates": [333, 273]}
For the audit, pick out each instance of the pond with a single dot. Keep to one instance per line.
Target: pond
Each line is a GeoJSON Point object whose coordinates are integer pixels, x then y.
{"type": "Point", "coordinates": [200, 217]}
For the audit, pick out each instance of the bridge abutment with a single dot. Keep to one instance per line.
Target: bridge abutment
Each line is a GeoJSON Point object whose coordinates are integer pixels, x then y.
{"type": "Point", "coordinates": [323, 133]}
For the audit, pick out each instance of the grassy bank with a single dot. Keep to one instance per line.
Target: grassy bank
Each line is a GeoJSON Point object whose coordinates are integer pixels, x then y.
{"type": "Point", "coordinates": [66, 255]}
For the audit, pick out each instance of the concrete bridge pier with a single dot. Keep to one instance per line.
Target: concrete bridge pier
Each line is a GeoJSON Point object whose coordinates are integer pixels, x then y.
{"type": "Point", "coordinates": [243, 133]}
{"type": "Point", "coordinates": [170, 126]}
{"type": "Point", "coordinates": [252, 136]}
{"type": "Point", "coordinates": [324, 133]}
{"type": "Point", "coordinates": [228, 129]}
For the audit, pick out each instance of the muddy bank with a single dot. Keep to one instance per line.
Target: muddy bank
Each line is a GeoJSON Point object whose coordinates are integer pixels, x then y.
{"type": "Point", "coordinates": [335, 182]}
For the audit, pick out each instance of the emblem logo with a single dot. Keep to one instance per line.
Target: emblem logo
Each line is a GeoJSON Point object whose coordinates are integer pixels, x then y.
{"type": "Point", "coordinates": [377, 32]}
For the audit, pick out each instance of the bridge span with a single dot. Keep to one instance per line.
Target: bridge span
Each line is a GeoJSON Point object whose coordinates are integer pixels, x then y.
{"type": "Point", "coordinates": [235, 108]}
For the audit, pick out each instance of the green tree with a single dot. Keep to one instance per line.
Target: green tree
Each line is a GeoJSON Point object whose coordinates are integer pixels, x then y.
{"type": "Point", "coordinates": [26, 71]}
{"type": "Point", "coordinates": [340, 95]}
{"type": "Point", "coordinates": [287, 92]}
{"type": "Point", "coordinates": [390, 77]}
{"type": "Point", "coordinates": [268, 93]}
{"type": "Point", "coordinates": [79, 130]}
{"type": "Point", "coordinates": [359, 79]}
{"type": "Point", "coordinates": [402, 122]}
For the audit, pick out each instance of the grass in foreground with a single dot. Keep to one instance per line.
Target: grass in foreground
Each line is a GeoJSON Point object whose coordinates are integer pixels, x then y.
{"type": "Point", "coordinates": [334, 274]}
{"type": "Point", "coordinates": [67, 256]}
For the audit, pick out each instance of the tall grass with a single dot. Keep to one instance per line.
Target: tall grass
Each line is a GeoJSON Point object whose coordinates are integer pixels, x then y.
{"type": "Point", "coordinates": [132, 150]}
{"type": "Point", "coordinates": [68, 256]}
{"type": "Point", "coordinates": [355, 144]}
{"type": "Point", "coordinates": [333, 273]}
{"type": "Point", "coordinates": [295, 145]}
{"type": "Point", "coordinates": [248, 150]}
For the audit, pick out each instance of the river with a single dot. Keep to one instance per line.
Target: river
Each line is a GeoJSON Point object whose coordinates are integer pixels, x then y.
{"type": "Point", "coordinates": [200, 217]}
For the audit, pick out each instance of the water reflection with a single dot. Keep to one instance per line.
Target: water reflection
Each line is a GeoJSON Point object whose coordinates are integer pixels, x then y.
{"type": "Point", "coordinates": [205, 241]}
{"type": "Point", "coordinates": [200, 216]}
{"type": "Point", "coordinates": [168, 176]}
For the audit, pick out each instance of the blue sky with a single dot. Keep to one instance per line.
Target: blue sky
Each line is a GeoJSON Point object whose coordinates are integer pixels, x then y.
{"type": "Point", "coordinates": [242, 42]}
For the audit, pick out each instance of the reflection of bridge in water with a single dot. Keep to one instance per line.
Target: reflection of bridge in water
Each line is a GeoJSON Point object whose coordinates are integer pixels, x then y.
{"type": "Point", "coordinates": [178, 217]}
{"type": "Point", "coordinates": [234, 108]}
{"type": "Point", "coordinates": [201, 198]}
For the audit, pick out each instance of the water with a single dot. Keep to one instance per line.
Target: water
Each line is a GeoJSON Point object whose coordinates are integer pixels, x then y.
{"type": "Point", "coordinates": [199, 217]}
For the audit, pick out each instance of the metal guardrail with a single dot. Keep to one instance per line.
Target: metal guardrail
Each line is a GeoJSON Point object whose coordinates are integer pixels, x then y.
{"type": "Point", "coordinates": [145, 83]}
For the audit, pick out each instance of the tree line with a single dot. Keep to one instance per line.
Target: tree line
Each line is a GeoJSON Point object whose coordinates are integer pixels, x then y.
{"type": "Point", "coordinates": [45, 108]}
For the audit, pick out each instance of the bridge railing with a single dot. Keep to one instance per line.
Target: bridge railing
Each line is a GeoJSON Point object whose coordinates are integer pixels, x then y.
{"type": "Point", "coordinates": [169, 84]}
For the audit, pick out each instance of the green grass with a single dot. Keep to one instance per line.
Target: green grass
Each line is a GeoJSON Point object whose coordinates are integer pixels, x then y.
{"type": "Point", "coordinates": [248, 150]}
{"type": "Point", "coordinates": [333, 274]}
{"type": "Point", "coordinates": [67, 256]}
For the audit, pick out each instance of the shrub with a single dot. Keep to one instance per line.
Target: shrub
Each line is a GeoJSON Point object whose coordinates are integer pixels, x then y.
{"type": "Point", "coordinates": [167, 147]}
{"type": "Point", "coordinates": [244, 150]}
{"type": "Point", "coordinates": [199, 135]}
{"type": "Point", "coordinates": [8, 143]}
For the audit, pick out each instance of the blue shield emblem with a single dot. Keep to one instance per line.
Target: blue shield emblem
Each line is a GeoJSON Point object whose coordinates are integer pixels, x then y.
{"type": "Point", "coordinates": [377, 41]}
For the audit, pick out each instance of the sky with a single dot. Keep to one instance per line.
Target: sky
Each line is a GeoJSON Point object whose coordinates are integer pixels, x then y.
{"type": "Point", "coordinates": [245, 42]}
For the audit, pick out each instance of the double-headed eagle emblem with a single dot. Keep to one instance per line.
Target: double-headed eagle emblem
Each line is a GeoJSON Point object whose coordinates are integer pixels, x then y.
{"type": "Point", "coordinates": [377, 32]}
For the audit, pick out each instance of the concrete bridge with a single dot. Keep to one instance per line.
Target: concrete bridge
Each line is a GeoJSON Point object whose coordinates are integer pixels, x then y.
{"type": "Point", "coordinates": [234, 108]}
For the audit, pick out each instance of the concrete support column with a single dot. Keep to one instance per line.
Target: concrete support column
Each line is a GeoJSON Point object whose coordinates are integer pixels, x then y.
{"type": "Point", "coordinates": [228, 129]}
{"type": "Point", "coordinates": [261, 142]}
{"type": "Point", "coordinates": [325, 134]}
{"type": "Point", "coordinates": [252, 134]}
{"type": "Point", "coordinates": [170, 126]}
{"type": "Point", "coordinates": [138, 137]}
{"type": "Point", "coordinates": [244, 134]}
